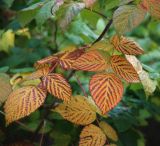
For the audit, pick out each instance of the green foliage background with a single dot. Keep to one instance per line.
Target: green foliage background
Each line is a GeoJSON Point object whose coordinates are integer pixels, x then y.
{"type": "Point", "coordinates": [136, 118]}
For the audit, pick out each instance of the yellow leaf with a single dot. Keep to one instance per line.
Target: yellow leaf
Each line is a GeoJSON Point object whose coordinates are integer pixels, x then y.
{"type": "Point", "coordinates": [5, 87]}
{"type": "Point", "coordinates": [23, 32]}
{"type": "Point", "coordinates": [22, 102]}
{"type": "Point", "coordinates": [109, 131]}
{"type": "Point", "coordinates": [78, 110]}
{"type": "Point", "coordinates": [7, 41]}
{"type": "Point", "coordinates": [92, 135]}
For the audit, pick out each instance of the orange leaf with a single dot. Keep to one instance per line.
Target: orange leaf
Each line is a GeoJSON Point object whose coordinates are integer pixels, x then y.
{"type": "Point", "coordinates": [152, 6]}
{"type": "Point", "coordinates": [39, 73]}
{"type": "Point", "coordinates": [23, 102]}
{"type": "Point", "coordinates": [91, 61]}
{"type": "Point", "coordinates": [106, 90]}
{"type": "Point", "coordinates": [124, 69]}
{"type": "Point", "coordinates": [67, 60]}
{"type": "Point", "coordinates": [57, 85]}
{"type": "Point", "coordinates": [126, 45]}
{"type": "Point", "coordinates": [92, 135]}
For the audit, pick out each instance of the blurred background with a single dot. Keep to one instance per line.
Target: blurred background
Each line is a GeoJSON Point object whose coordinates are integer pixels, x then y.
{"type": "Point", "coordinates": [30, 30]}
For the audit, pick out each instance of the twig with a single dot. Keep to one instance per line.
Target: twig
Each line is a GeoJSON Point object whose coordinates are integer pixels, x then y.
{"type": "Point", "coordinates": [80, 84]}
{"type": "Point", "coordinates": [41, 140]}
{"type": "Point", "coordinates": [104, 31]}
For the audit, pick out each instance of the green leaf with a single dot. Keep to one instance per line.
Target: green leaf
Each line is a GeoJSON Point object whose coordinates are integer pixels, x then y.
{"type": "Point", "coordinates": [72, 10]}
{"type": "Point", "coordinates": [127, 17]}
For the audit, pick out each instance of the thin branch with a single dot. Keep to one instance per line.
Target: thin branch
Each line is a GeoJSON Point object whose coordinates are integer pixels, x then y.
{"type": "Point", "coordinates": [80, 84]}
{"type": "Point", "coordinates": [104, 31]}
{"type": "Point", "coordinates": [41, 140]}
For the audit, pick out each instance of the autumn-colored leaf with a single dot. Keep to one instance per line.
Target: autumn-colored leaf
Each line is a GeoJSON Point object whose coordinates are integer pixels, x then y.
{"type": "Point", "coordinates": [91, 61]}
{"type": "Point", "coordinates": [78, 110]}
{"type": "Point", "coordinates": [5, 87]}
{"type": "Point", "coordinates": [126, 45]}
{"type": "Point", "coordinates": [43, 71]}
{"type": "Point", "coordinates": [124, 69]}
{"type": "Point", "coordinates": [109, 131]}
{"type": "Point", "coordinates": [149, 85]}
{"type": "Point", "coordinates": [92, 135]}
{"type": "Point", "coordinates": [49, 59]}
{"type": "Point", "coordinates": [127, 17]}
{"type": "Point", "coordinates": [22, 102]}
{"type": "Point", "coordinates": [152, 6]}
{"type": "Point", "coordinates": [106, 90]}
{"type": "Point", "coordinates": [57, 85]}
{"type": "Point", "coordinates": [67, 60]}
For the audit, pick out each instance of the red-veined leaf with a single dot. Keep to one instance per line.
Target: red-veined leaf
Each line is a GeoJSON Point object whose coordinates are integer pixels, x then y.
{"type": "Point", "coordinates": [106, 90]}
{"type": "Point", "coordinates": [126, 45]}
{"type": "Point", "coordinates": [92, 135]}
{"type": "Point", "coordinates": [152, 6]}
{"type": "Point", "coordinates": [43, 71]}
{"type": "Point", "coordinates": [67, 60]}
{"type": "Point", "coordinates": [57, 85]}
{"type": "Point", "coordinates": [48, 59]}
{"type": "Point", "coordinates": [78, 110]}
{"type": "Point", "coordinates": [91, 61]}
{"type": "Point", "coordinates": [23, 102]}
{"type": "Point", "coordinates": [124, 69]}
